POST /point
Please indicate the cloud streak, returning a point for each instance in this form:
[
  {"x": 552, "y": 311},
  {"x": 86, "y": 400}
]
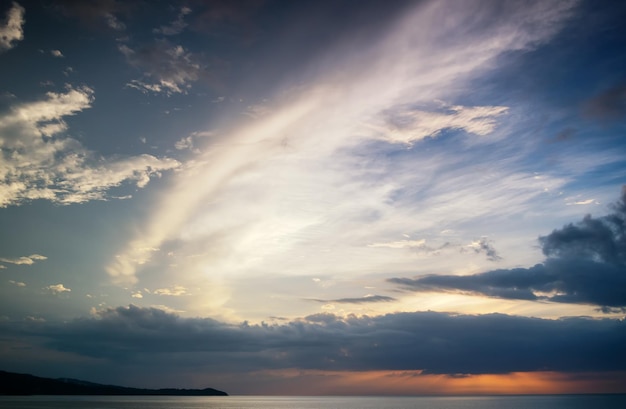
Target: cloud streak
[
  {"x": 359, "y": 300},
  {"x": 310, "y": 145}
]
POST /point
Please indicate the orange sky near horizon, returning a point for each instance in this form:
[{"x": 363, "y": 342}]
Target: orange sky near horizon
[{"x": 298, "y": 382}]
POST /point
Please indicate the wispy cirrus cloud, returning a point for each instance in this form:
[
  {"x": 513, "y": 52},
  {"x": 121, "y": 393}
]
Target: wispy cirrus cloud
[
  {"x": 337, "y": 184},
  {"x": 11, "y": 30},
  {"x": 41, "y": 162}
]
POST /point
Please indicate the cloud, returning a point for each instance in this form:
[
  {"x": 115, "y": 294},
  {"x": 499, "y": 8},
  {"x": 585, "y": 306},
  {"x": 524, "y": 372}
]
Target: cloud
[
  {"x": 56, "y": 53},
  {"x": 176, "y": 26},
  {"x": 432, "y": 342},
  {"x": 338, "y": 180},
  {"x": 24, "y": 260},
  {"x": 17, "y": 283},
  {"x": 57, "y": 289},
  {"x": 174, "y": 291},
  {"x": 407, "y": 125},
  {"x": 359, "y": 300},
  {"x": 11, "y": 29},
  {"x": 166, "y": 67},
  {"x": 40, "y": 162},
  {"x": 114, "y": 23},
  {"x": 166, "y": 309},
  {"x": 184, "y": 143},
  {"x": 582, "y": 202},
  {"x": 601, "y": 240},
  {"x": 586, "y": 264},
  {"x": 479, "y": 246},
  {"x": 483, "y": 245}
]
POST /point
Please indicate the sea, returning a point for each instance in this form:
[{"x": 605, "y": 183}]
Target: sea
[{"x": 316, "y": 402}]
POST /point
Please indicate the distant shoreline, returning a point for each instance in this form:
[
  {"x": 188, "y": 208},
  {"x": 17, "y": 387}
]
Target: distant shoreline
[{"x": 15, "y": 384}]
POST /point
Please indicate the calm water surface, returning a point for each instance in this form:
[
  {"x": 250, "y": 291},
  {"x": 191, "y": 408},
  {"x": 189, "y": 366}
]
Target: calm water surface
[{"x": 281, "y": 402}]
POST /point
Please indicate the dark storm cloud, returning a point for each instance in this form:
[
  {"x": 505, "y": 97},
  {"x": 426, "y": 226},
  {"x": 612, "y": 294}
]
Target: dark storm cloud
[
  {"x": 586, "y": 264},
  {"x": 602, "y": 239},
  {"x": 359, "y": 300},
  {"x": 430, "y": 341},
  {"x": 609, "y": 104}
]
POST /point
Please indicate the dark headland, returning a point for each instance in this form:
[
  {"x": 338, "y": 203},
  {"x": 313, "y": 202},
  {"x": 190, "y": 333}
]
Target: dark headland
[{"x": 23, "y": 384}]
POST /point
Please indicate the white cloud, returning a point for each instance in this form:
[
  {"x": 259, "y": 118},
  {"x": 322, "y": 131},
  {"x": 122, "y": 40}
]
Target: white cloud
[
  {"x": 407, "y": 125},
  {"x": 57, "y": 53},
  {"x": 184, "y": 143},
  {"x": 137, "y": 294},
  {"x": 60, "y": 169},
  {"x": 11, "y": 29},
  {"x": 57, "y": 289},
  {"x": 174, "y": 291},
  {"x": 17, "y": 283},
  {"x": 25, "y": 260}
]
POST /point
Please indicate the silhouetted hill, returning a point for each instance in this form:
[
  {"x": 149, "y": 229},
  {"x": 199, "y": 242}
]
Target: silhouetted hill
[{"x": 23, "y": 384}]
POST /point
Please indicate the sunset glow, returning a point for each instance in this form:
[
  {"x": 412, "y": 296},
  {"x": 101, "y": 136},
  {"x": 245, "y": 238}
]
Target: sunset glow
[{"x": 315, "y": 197}]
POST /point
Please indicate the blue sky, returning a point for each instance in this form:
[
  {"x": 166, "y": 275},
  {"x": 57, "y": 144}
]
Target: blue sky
[{"x": 272, "y": 173}]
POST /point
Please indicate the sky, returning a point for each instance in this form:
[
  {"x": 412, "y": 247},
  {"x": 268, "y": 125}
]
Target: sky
[{"x": 305, "y": 197}]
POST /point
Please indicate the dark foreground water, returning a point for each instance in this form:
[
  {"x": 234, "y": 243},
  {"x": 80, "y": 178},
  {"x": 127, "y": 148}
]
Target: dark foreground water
[{"x": 284, "y": 402}]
